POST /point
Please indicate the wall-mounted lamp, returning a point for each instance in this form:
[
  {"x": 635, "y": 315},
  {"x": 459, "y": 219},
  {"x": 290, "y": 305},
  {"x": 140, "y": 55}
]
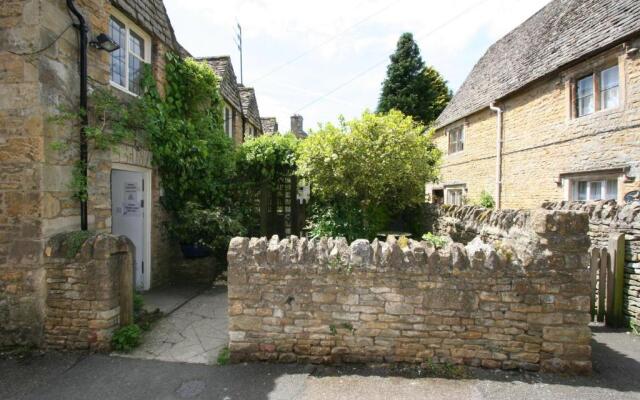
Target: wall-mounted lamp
[{"x": 104, "y": 42}]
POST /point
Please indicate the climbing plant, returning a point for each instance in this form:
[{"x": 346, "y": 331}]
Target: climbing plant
[{"x": 193, "y": 155}]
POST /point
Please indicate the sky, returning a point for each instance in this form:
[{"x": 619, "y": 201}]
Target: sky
[{"x": 322, "y": 59}]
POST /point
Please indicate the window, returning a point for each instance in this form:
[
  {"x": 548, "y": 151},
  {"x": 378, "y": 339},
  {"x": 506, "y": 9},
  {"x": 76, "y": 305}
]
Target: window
[
  {"x": 594, "y": 189},
  {"x": 598, "y": 91},
  {"x": 127, "y": 62},
  {"x": 456, "y": 139},
  {"x": 228, "y": 121},
  {"x": 609, "y": 86},
  {"x": 454, "y": 196}
]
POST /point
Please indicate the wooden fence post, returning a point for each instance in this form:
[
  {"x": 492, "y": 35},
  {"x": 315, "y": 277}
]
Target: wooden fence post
[
  {"x": 616, "y": 248},
  {"x": 602, "y": 284},
  {"x": 594, "y": 267},
  {"x": 126, "y": 261}
]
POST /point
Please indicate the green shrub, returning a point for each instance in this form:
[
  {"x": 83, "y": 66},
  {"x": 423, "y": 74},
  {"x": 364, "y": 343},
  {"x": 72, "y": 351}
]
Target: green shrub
[
  {"x": 435, "y": 240},
  {"x": 138, "y": 303},
  {"x": 224, "y": 356},
  {"x": 486, "y": 200},
  {"x": 126, "y": 338},
  {"x": 366, "y": 172}
]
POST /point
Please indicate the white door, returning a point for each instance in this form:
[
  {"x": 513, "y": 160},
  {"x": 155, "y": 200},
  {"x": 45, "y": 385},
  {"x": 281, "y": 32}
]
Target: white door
[{"x": 128, "y": 216}]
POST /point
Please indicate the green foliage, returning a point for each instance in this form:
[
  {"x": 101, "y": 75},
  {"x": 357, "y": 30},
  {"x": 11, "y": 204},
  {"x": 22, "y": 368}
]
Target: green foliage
[
  {"x": 74, "y": 240},
  {"x": 193, "y": 155},
  {"x": 486, "y": 200},
  {"x": 635, "y": 327},
  {"x": 435, "y": 240},
  {"x": 195, "y": 158},
  {"x": 411, "y": 87},
  {"x": 338, "y": 220},
  {"x": 333, "y": 330},
  {"x": 108, "y": 127},
  {"x": 126, "y": 338},
  {"x": 223, "y": 356},
  {"x": 209, "y": 226},
  {"x": 365, "y": 171},
  {"x": 261, "y": 163},
  {"x": 138, "y": 303},
  {"x": 266, "y": 158}
]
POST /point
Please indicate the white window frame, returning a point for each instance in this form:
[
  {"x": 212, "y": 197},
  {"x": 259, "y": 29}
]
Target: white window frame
[
  {"x": 571, "y": 186},
  {"x": 451, "y": 131},
  {"x": 129, "y": 27},
  {"x": 597, "y": 91},
  {"x": 228, "y": 122},
  {"x": 455, "y": 188}
]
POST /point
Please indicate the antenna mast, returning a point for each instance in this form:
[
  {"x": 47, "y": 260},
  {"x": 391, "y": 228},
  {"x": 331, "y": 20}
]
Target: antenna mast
[{"x": 238, "y": 41}]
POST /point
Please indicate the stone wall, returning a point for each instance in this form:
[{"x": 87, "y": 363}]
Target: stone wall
[
  {"x": 85, "y": 296},
  {"x": 605, "y": 218},
  {"x": 541, "y": 140},
  {"x": 35, "y": 200},
  {"x": 521, "y": 304}
]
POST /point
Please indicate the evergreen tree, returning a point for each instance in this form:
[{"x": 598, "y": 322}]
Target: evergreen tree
[{"x": 410, "y": 86}]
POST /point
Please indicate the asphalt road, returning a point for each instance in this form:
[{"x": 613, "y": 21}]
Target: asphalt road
[{"x": 616, "y": 358}]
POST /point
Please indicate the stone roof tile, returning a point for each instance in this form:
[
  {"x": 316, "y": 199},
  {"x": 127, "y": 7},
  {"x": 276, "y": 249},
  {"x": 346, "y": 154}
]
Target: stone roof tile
[{"x": 562, "y": 32}]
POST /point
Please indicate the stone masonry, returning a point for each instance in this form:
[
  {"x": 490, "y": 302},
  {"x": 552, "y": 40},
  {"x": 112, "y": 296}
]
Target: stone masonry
[
  {"x": 84, "y": 292},
  {"x": 542, "y": 142},
  {"x": 521, "y": 302},
  {"x": 605, "y": 218},
  {"x": 35, "y": 200}
]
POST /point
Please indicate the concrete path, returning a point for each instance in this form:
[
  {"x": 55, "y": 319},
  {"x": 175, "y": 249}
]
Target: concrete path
[
  {"x": 168, "y": 298},
  {"x": 193, "y": 333},
  {"x": 53, "y": 376}
]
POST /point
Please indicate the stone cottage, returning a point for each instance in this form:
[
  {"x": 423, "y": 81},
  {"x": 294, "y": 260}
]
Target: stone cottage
[
  {"x": 550, "y": 112},
  {"x": 39, "y": 75},
  {"x": 233, "y": 110},
  {"x": 251, "y": 123}
]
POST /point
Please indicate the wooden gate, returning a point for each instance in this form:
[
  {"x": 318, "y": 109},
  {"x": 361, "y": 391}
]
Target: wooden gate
[
  {"x": 606, "y": 266},
  {"x": 280, "y": 212}
]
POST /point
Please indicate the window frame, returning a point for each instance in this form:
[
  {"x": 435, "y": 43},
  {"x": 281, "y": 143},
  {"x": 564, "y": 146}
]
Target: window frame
[
  {"x": 597, "y": 91},
  {"x": 228, "y": 120},
  {"x": 455, "y": 188},
  {"x": 129, "y": 26},
  {"x": 572, "y": 192},
  {"x": 459, "y": 132}
]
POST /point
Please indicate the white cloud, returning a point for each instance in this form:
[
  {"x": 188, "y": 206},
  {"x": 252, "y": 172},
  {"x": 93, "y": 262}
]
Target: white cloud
[{"x": 341, "y": 40}]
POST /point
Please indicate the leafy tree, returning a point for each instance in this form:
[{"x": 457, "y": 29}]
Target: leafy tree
[
  {"x": 411, "y": 87},
  {"x": 367, "y": 170}
]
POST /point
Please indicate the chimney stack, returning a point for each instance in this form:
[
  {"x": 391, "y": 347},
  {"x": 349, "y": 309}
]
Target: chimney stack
[{"x": 296, "y": 125}]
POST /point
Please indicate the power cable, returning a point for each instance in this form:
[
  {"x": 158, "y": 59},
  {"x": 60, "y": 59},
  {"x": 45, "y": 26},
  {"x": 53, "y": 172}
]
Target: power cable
[
  {"x": 377, "y": 64},
  {"x": 312, "y": 49},
  {"x": 44, "y": 48}
]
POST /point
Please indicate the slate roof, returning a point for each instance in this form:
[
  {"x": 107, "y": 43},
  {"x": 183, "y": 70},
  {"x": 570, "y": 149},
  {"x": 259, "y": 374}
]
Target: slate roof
[
  {"x": 250, "y": 106},
  {"x": 561, "y": 33},
  {"x": 269, "y": 125},
  {"x": 152, "y": 16},
  {"x": 228, "y": 82}
]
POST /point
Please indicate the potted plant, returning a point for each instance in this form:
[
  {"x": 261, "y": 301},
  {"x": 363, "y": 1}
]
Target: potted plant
[{"x": 200, "y": 230}]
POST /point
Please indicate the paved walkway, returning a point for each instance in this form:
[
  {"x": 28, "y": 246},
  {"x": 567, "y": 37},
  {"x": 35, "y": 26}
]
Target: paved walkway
[
  {"x": 195, "y": 332},
  {"x": 616, "y": 357}
]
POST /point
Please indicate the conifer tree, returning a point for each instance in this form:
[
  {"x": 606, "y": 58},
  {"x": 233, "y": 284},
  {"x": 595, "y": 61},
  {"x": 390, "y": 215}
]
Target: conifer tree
[{"x": 412, "y": 87}]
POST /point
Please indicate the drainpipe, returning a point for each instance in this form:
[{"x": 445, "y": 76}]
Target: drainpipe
[
  {"x": 83, "y": 29},
  {"x": 498, "y": 112}
]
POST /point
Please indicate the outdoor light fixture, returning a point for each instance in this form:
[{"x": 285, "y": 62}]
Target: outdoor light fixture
[{"x": 104, "y": 42}]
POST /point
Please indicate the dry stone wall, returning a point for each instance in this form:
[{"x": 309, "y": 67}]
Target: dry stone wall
[
  {"x": 85, "y": 299},
  {"x": 521, "y": 304},
  {"x": 605, "y": 217}
]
